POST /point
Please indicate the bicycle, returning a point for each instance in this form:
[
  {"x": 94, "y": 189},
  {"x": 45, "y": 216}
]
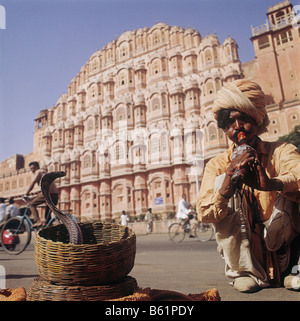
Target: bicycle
[
  {"x": 202, "y": 231},
  {"x": 16, "y": 231}
]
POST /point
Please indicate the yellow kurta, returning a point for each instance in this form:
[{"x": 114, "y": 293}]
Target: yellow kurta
[
  {"x": 242, "y": 257},
  {"x": 280, "y": 160}
]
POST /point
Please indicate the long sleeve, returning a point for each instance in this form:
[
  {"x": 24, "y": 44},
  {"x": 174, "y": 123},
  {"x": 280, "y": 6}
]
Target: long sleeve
[
  {"x": 286, "y": 161},
  {"x": 211, "y": 206},
  {"x": 280, "y": 160}
]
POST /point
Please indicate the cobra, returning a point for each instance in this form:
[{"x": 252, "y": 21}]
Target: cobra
[{"x": 75, "y": 234}]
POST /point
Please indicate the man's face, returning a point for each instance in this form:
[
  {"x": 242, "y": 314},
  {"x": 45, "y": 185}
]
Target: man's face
[
  {"x": 238, "y": 121},
  {"x": 33, "y": 168}
]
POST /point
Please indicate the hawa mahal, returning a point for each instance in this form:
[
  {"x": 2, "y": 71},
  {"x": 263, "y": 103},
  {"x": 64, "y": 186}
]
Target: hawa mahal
[{"x": 135, "y": 128}]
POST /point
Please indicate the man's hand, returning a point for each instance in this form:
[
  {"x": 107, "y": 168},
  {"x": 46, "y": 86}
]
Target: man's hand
[
  {"x": 256, "y": 178},
  {"x": 228, "y": 187}
]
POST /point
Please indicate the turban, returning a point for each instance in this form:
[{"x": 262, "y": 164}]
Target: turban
[{"x": 244, "y": 96}]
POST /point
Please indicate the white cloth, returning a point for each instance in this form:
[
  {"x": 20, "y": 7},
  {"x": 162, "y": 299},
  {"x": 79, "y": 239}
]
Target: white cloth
[
  {"x": 149, "y": 217},
  {"x": 2, "y": 211},
  {"x": 124, "y": 219},
  {"x": 149, "y": 220},
  {"x": 12, "y": 210},
  {"x": 183, "y": 209},
  {"x": 239, "y": 261},
  {"x": 280, "y": 229}
]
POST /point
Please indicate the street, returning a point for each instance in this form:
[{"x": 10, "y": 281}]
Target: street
[{"x": 187, "y": 267}]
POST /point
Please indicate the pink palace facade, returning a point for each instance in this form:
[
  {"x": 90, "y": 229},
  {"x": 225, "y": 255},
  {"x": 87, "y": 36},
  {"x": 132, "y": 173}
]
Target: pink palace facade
[{"x": 135, "y": 128}]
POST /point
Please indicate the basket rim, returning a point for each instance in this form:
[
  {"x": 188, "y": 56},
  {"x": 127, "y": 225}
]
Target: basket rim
[{"x": 130, "y": 235}]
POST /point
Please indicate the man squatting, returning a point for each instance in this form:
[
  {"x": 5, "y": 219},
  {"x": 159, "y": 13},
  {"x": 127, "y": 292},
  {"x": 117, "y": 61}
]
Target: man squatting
[{"x": 265, "y": 251}]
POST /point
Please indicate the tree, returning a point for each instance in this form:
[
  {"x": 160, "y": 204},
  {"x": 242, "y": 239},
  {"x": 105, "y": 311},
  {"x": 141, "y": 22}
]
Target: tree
[{"x": 293, "y": 137}]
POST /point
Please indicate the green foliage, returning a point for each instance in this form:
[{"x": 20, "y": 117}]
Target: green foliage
[
  {"x": 293, "y": 137},
  {"x": 171, "y": 215}
]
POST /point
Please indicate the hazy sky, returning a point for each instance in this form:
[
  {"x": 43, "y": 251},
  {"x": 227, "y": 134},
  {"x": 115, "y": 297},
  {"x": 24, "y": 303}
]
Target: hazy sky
[{"x": 46, "y": 42}]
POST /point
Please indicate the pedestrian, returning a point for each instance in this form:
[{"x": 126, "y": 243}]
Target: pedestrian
[
  {"x": 12, "y": 210},
  {"x": 149, "y": 220},
  {"x": 2, "y": 209},
  {"x": 39, "y": 199},
  {"x": 124, "y": 218},
  {"x": 184, "y": 213},
  {"x": 256, "y": 215}
]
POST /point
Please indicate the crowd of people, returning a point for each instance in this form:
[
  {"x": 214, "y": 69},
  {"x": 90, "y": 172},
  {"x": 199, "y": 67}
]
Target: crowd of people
[{"x": 8, "y": 210}]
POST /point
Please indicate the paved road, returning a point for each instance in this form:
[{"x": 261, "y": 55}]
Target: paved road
[{"x": 187, "y": 267}]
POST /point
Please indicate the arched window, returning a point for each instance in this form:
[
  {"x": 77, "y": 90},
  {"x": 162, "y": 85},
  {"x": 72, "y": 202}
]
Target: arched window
[
  {"x": 215, "y": 53},
  {"x": 165, "y": 140},
  {"x": 120, "y": 114},
  {"x": 208, "y": 57},
  {"x": 164, "y": 65},
  {"x": 212, "y": 132},
  {"x": 156, "y": 39},
  {"x": 90, "y": 125},
  {"x": 87, "y": 161},
  {"x": 123, "y": 52},
  {"x": 138, "y": 41},
  {"x": 164, "y": 101},
  {"x": 228, "y": 53},
  {"x": 122, "y": 78},
  {"x": 55, "y": 138},
  {"x": 59, "y": 113},
  {"x": 155, "y": 146},
  {"x": 155, "y": 104},
  {"x": 92, "y": 92},
  {"x": 94, "y": 64},
  {"x": 155, "y": 67},
  {"x": 210, "y": 88},
  {"x": 119, "y": 152}
]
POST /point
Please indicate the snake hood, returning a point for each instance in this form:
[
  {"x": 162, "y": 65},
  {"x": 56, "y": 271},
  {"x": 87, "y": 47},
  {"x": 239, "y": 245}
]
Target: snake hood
[{"x": 75, "y": 234}]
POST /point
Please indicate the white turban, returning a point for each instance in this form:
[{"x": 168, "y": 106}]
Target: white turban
[{"x": 244, "y": 96}]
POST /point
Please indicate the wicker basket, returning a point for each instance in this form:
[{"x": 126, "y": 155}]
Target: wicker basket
[
  {"x": 41, "y": 290},
  {"x": 106, "y": 255}
]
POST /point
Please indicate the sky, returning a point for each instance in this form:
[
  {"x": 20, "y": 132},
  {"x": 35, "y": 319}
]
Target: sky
[{"x": 46, "y": 42}]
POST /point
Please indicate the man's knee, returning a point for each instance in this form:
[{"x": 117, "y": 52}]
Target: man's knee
[{"x": 39, "y": 199}]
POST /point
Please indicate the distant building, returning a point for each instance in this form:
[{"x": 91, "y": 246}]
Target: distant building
[
  {"x": 136, "y": 126},
  {"x": 276, "y": 67}
]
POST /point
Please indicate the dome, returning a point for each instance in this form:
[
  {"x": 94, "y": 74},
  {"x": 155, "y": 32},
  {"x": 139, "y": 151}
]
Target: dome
[
  {"x": 126, "y": 36},
  {"x": 229, "y": 40},
  {"x": 189, "y": 31},
  {"x": 209, "y": 41},
  {"x": 62, "y": 99},
  {"x": 159, "y": 25}
]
